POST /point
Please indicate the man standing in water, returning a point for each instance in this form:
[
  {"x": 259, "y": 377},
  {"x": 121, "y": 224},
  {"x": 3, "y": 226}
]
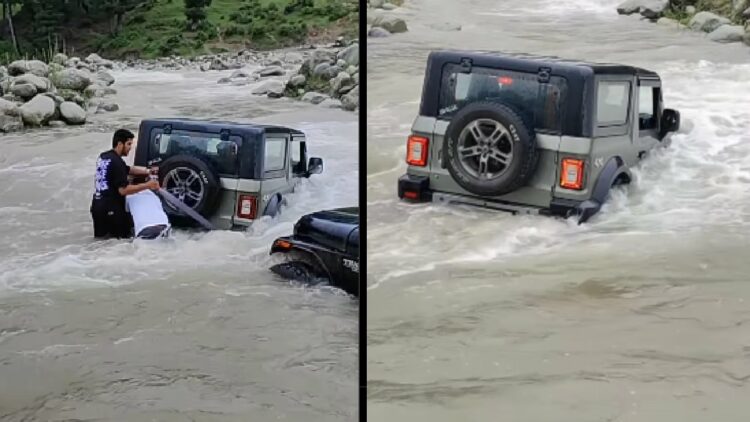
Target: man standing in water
[{"x": 111, "y": 187}]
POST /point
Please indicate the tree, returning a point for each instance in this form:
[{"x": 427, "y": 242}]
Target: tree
[
  {"x": 195, "y": 12},
  {"x": 8, "y": 12}
]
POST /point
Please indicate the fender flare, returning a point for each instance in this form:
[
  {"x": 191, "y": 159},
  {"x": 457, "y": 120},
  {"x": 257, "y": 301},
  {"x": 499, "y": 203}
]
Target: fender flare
[
  {"x": 309, "y": 252},
  {"x": 613, "y": 170},
  {"x": 273, "y": 206}
]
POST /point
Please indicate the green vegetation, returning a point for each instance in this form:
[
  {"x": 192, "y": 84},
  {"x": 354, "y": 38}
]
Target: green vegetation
[
  {"x": 724, "y": 8},
  {"x": 154, "y": 28}
]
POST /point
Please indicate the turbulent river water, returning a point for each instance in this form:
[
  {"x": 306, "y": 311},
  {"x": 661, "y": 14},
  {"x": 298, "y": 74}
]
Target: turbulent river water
[
  {"x": 196, "y": 329},
  {"x": 642, "y": 314}
]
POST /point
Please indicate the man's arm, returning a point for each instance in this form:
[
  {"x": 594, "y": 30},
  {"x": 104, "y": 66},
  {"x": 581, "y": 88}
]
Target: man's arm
[
  {"x": 138, "y": 171},
  {"x": 132, "y": 189}
]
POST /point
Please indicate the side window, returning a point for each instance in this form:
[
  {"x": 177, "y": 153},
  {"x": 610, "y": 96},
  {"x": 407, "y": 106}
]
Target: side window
[
  {"x": 275, "y": 154},
  {"x": 612, "y": 102},
  {"x": 296, "y": 154},
  {"x": 647, "y": 100}
]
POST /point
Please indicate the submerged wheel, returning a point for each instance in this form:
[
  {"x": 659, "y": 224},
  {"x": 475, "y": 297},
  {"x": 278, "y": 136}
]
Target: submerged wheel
[{"x": 489, "y": 150}]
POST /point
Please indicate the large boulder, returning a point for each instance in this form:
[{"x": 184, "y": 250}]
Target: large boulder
[
  {"x": 727, "y": 34},
  {"x": 38, "y": 111},
  {"x": 10, "y": 123},
  {"x": 24, "y": 91},
  {"x": 218, "y": 64},
  {"x": 350, "y": 55},
  {"x": 269, "y": 87},
  {"x": 297, "y": 80},
  {"x": 651, "y": 9},
  {"x": 93, "y": 58},
  {"x": 391, "y": 24},
  {"x": 40, "y": 83},
  {"x": 271, "y": 71},
  {"x": 96, "y": 90},
  {"x": 8, "y": 108},
  {"x": 73, "y": 79},
  {"x": 322, "y": 70},
  {"x": 314, "y": 60},
  {"x": 108, "y": 107},
  {"x": 746, "y": 13},
  {"x": 350, "y": 101},
  {"x": 377, "y": 32},
  {"x": 38, "y": 67},
  {"x": 707, "y": 21},
  {"x": 105, "y": 78},
  {"x": 314, "y": 97},
  {"x": 338, "y": 82},
  {"x": 18, "y": 67},
  {"x": 72, "y": 113}
]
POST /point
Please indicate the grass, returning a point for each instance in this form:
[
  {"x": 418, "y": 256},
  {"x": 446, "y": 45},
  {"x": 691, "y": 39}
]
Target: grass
[{"x": 162, "y": 30}]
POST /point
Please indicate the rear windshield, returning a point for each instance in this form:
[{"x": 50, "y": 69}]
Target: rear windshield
[
  {"x": 222, "y": 154},
  {"x": 537, "y": 102}
]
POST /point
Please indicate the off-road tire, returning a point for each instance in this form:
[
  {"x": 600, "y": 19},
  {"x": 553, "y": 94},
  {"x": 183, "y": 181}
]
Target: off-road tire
[
  {"x": 207, "y": 178},
  {"x": 522, "y": 164}
]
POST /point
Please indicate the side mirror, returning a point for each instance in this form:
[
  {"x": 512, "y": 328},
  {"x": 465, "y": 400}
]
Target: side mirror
[
  {"x": 670, "y": 121},
  {"x": 314, "y": 166}
]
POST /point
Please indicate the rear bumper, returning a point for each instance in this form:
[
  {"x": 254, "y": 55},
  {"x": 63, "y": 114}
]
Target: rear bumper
[{"x": 417, "y": 189}]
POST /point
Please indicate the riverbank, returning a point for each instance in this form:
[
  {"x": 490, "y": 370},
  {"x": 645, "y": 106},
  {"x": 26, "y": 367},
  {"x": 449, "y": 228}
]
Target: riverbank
[
  {"x": 67, "y": 90},
  {"x": 723, "y": 21}
]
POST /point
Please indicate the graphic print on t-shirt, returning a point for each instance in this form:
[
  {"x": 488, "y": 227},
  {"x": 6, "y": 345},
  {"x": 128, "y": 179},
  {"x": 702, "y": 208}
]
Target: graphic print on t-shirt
[{"x": 100, "y": 180}]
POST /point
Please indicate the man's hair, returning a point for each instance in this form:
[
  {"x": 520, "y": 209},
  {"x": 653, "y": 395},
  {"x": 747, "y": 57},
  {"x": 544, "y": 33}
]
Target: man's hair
[{"x": 121, "y": 135}]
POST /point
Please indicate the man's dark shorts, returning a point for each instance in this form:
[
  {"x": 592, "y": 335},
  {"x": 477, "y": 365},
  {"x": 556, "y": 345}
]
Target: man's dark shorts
[{"x": 111, "y": 222}]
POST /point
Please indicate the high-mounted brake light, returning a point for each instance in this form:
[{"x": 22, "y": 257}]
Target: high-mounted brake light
[
  {"x": 571, "y": 176},
  {"x": 247, "y": 206},
  {"x": 416, "y": 151},
  {"x": 505, "y": 80}
]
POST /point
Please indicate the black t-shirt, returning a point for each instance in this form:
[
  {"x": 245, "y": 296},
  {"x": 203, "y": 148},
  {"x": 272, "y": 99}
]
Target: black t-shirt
[{"x": 111, "y": 175}]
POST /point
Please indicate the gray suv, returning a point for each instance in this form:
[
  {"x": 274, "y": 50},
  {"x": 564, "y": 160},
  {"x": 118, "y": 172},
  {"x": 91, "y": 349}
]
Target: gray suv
[
  {"x": 229, "y": 173},
  {"x": 530, "y": 134}
]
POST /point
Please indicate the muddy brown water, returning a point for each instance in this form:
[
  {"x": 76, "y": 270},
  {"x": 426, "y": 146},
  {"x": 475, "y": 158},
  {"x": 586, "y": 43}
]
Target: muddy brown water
[
  {"x": 195, "y": 329},
  {"x": 640, "y": 315}
]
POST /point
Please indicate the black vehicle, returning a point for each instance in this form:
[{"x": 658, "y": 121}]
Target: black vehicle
[{"x": 323, "y": 248}]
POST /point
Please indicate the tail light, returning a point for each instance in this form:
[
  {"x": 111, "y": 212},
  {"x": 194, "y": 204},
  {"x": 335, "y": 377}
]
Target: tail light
[
  {"x": 247, "y": 206},
  {"x": 571, "y": 176},
  {"x": 416, "y": 151}
]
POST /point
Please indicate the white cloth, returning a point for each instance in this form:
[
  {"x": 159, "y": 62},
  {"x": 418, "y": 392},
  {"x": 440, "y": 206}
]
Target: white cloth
[{"x": 146, "y": 209}]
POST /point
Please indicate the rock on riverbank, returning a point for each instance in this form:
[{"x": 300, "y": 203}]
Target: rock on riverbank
[
  {"x": 724, "y": 21},
  {"x": 37, "y": 94}
]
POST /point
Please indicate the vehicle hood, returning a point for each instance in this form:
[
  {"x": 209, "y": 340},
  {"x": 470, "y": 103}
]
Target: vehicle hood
[{"x": 335, "y": 229}]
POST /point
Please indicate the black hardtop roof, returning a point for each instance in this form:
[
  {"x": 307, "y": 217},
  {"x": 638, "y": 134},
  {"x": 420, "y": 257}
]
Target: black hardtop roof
[
  {"x": 220, "y": 124},
  {"x": 503, "y": 59}
]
